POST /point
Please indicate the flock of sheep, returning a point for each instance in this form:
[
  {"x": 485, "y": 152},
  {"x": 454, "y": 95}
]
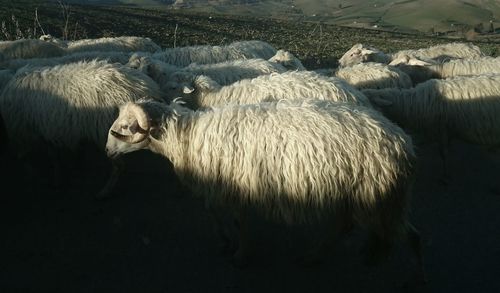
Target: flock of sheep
[{"x": 246, "y": 126}]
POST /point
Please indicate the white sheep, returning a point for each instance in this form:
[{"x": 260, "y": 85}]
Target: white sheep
[
  {"x": 116, "y": 44},
  {"x": 67, "y": 104},
  {"x": 29, "y": 48},
  {"x": 205, "y": 54},
  {"x": 288, "y": 60},
  {"x": 374, "y": 75},
  {"x": 463, "y": 108},
  {"x": 311, "y": 161},
  {"x": 459, "y": 67},
  {"x": 111, "y": 57},
  {"x": 224, "y": 73},
  {"x": 271, "y": 87},
  {"x": 360, "y": 53}
]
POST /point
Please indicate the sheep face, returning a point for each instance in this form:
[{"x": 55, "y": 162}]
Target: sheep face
[
  {"x": 360, "y": 53},
  {"x": 129, "y": 132}
]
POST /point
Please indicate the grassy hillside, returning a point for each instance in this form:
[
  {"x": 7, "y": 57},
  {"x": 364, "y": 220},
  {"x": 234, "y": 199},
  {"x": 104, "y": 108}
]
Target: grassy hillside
[
  {"x": 402, "y": 15},
  {"x": 318, "y": 44}
]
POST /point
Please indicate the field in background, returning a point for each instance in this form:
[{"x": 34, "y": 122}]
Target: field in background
[
  {"x": 317, "y": 44},
  {"x": 450, "y": 17}
]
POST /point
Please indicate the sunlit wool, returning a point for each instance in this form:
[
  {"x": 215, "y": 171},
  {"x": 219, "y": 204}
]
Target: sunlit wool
[
  {"x": 29, "y": 48},
  {"x": 360, "y": 53},
  {"x": 111, "y": 57},
  {"x": 173, "y": 79},
  {"x": 273, "y": 87},
  {"x": 293, "y": 160},
  {"x": 116, "y": 44},
  {"x": 463, "y": 107},
  {"x": 183, "y": 56},
  {"x": 288, "y": 60},
  {"x": 374, "y": 75},
  {"x": 66, "y": 104},
  {"x": 459, "y": 67}
]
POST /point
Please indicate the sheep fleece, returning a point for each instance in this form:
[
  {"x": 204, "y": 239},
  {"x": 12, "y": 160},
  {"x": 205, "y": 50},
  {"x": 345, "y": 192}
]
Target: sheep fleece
[{"x": 292, "y": 161}]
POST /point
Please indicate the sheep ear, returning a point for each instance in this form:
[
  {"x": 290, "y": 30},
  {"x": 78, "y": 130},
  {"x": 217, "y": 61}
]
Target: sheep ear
[
  {"x": 367, "y": 51},
  {"x": 187, "y": 89},
  {"x": 418, "y": 62},
  {"x": 381, "y": 102}
]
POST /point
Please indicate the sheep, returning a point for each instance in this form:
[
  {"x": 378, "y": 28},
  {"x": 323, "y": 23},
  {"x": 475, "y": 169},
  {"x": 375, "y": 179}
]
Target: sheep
[
  {"x": 115, "y": 44},
  {"x": 360, "y": 53},
  {"x": 271, "y": 87},
  {"x": 459, "y": 67},
  {"x": 374, "y": 75},
  {"x": 463, "y": 108},
  {"x": 311, "y": 161},
  {"x": 67, "y": 104},
  {"x": 5, "y": 76},
  {"x": 120, "y": 57},
  {"x": 288, "y": 60},
  {"x": 204, "y": 54},
  {"x": 29, "y": 48},
  {"x": 224, "y": 73}
]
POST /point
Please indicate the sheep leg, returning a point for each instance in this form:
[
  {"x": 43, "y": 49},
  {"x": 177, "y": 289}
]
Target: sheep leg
[
  {"x": 341, "y": 224},
  {"x": 414, "y": 239},
  {"x": 117, "y": 167},
  {"x": 222, "y": 229},
  {"x": 240, "y": 257},
  {"x": 444, "y": 146}
]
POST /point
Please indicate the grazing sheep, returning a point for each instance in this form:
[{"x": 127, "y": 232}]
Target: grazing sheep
[
  {"x": 67, "y": 104},
  {"x": 183, "y": 56},
  {"x": 111, "y": 57},
  {"x": 29, "y": 48},
  {"x": 115, "y": 44},
  {"x": 374, "y": 75},
  {"x": 272, "y": 87},
  {"x": 463, "y": 108},
  {"x": 224, "y": 73},
  {"x": 312, "y": 161},
  {"x": 459, "y": 67},
  {"x": 288, "y": 60},
  {"x": 360, "y": 53}
]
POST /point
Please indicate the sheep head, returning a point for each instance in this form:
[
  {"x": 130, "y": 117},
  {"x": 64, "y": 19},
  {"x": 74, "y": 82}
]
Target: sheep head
[
  {"x": 129, "y": 132},
  {"x": 360, "y": 53}
]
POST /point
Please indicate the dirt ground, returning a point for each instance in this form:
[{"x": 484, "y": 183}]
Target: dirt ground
[{"x": 154, "y": 237}]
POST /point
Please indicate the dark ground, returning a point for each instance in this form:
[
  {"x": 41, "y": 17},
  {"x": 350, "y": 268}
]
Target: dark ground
[{"x": 154, "y": 237}]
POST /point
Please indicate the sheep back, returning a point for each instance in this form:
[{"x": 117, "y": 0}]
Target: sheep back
[
  {"x": 310, "y": 157},
  {"x": 66, "y": 104}
]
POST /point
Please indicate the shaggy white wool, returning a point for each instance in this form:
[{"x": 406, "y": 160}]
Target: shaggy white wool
[
  {"x": 29, "y": 48},
  {"x": 309, "y": 158},
  {"x": 66, "y": 104},
  {"x": 116, "y": 44},
  {"x": 360, "y": 53},
  {"x": 464, "y": 107},
  {"x": 285, "y": 86},
  {"x": 183, "y": 56},
  {"x": 374, "y": 75},
  {"x": 111, "y": 57}
]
